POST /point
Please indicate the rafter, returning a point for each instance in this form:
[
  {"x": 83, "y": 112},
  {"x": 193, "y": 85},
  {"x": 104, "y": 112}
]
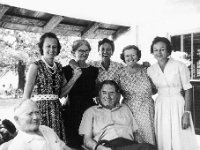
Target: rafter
[
  {"x": 90, "y": 29},
  {"x": 119, "y": 32},
  {"x": 53, "y": 22},
  {"x": 3, "y": 10},
  {"x": 21, "y": 27}
]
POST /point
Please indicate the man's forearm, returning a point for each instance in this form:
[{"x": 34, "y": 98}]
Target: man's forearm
[{"x": 90, "y": 143}]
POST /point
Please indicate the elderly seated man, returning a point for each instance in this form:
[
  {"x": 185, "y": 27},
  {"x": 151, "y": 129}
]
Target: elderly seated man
[
  {"x": 110, "y": 123},
  {"x": 32, "y": 135}
]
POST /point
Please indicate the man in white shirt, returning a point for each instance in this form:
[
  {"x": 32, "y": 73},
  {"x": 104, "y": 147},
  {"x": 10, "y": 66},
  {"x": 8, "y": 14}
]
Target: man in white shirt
[
  {"x": 112, "y": 122},
  {"x": 32, "y": 135}
]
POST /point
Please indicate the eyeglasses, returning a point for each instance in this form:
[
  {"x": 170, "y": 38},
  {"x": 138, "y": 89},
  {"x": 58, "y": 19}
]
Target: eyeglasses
[{"x": 83, "y": 51}]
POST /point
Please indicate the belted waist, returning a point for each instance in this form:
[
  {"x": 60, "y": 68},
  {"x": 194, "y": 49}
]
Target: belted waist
[
  {"x": 41, "y": 97},
  {"x": 169, "y": 91}
]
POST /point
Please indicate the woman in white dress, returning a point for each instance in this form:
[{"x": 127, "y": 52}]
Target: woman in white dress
[{"x": 173, "y": 124}]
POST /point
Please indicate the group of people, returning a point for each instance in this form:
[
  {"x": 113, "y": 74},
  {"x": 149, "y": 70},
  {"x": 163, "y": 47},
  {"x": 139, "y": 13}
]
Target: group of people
[{"x": 93, "y": 114}]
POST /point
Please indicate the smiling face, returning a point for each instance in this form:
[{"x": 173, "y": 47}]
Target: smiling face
[
  {"x": 82, "y": 53},
  {"x": 108, "y": 96},
  {"x": 50, "y": 48},
  {"x": 28, "y": 117},
  {"x": 130, "y": 57},
  {"x": 160, "y": 51},
  {"x": 105, "y": 51}
]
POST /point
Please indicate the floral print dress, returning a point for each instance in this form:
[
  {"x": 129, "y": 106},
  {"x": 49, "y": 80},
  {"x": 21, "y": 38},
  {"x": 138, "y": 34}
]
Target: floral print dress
[
  {"x": 50, "y": 83},
  {"x": 137, "y": 94}
]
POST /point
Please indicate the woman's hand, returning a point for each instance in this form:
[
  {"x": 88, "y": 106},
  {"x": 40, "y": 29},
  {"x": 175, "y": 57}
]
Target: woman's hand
[
  {"x": 186, "y": 120},
  {"x": 77, "y": 73}
]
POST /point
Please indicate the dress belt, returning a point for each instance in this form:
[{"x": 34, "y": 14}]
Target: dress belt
[{"x": 41, "y": 97}]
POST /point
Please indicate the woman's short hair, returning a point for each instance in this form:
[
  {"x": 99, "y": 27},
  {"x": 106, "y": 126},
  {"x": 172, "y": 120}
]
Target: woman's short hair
[
  {"x": 131, "y": 47},
  {"x": 109, "y": 82},
  {"x": 105, "y": 40},
  {"x": 48, "y": 35},
  {"x": 78, "y": 43},
  {"x": 164, "y": 40}
]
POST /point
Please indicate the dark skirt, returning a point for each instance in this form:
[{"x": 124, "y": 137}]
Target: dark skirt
[{"x": 72, "y": 115}]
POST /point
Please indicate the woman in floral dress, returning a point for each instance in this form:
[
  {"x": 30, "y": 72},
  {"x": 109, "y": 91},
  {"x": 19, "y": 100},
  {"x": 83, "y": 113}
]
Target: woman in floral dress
[
  {"x": 45, "y": 79},
  {"x": 137, "y": 91}
]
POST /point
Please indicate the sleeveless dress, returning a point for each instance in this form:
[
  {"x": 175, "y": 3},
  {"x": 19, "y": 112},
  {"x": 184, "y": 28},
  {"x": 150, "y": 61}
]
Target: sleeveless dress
[
  {"x": 80, "y": 98},
  {"x": 137, "y": 92},
  {"x": 169, "y": 106},
  {"x": 48, "y": 83}
]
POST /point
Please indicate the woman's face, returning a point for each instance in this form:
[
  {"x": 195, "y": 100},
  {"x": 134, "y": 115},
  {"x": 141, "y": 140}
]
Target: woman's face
[
  {"x": 160, "y": 51},
  {"x": 105, "y": 51},
  {"x": 50, "y": 48},
  {"x": 82, "y": 53},
  {"x": 130, "y": 57}
]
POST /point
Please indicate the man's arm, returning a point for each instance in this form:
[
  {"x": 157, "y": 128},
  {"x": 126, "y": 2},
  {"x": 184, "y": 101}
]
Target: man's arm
[{"x": 91, "y": 144}]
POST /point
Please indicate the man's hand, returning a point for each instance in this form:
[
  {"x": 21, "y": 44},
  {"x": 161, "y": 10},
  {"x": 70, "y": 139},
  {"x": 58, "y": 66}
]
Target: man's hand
[
  {"x": 138, "y": 137},
  {"x": 101, "y": 147},
  {"x": 146, "y": 64}
]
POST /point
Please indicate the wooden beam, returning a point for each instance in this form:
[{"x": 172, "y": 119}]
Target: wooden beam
[
  {"x": 53, "y": 22},
  {"x": 22, "y": 20},
  {"x": 90, "y": 29},
  {"x": 119, "y": 32},
  {"x": 70, "y": 27},
  {"x": 68, "y": 33},
  {"x": 21, "y": 27},
  {"x": 3, "y": 10}
]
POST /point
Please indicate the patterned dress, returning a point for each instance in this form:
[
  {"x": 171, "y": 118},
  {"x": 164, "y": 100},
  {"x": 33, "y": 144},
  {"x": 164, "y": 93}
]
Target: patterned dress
[
  {"x": 137, "y": 94},
  {"x": 109, "y": 74},
  {"x": 48, "y": 83}
]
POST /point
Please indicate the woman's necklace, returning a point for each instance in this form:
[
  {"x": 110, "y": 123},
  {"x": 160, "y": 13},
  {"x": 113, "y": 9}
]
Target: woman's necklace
[{"x": 51, "y": 70}]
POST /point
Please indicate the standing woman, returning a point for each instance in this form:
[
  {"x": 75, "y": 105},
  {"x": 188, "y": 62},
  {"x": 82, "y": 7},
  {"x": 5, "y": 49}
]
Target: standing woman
[
  {"x": 137, "y": 91},
  {"x": 45, "y": 77},
  {"x": 173, "y": 123},
  {"x": 107, "y": 68},
  {"x": 80, "y": 91}
]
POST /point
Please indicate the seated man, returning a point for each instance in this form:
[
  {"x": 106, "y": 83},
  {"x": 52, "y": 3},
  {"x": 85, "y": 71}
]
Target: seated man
[
  {"x": 112, "y": 122},
  {"x": 32, "y": 135}
]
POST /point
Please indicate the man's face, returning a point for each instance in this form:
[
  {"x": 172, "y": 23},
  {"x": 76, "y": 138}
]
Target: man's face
[
  {"x": 28, "y": 118},
  {"x": 108, "y": 96}
]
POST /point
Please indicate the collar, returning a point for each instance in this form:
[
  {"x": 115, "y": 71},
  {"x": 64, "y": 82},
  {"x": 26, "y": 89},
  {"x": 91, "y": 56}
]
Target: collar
[
  {"x": 98, "y": 64},
  {"x": 29, "y": 137},
  {"x": 113, "y": 109}
]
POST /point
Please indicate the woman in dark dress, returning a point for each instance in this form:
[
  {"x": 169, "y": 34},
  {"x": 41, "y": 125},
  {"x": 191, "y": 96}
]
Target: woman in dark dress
[{"x": 80, "y": 91}]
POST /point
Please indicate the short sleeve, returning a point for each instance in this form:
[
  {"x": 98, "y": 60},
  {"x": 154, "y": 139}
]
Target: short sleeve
[
  {"x": 86, "y": 124},
  {"x": 134, "y": 123},
  {"x": 185, "y": 76}
]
